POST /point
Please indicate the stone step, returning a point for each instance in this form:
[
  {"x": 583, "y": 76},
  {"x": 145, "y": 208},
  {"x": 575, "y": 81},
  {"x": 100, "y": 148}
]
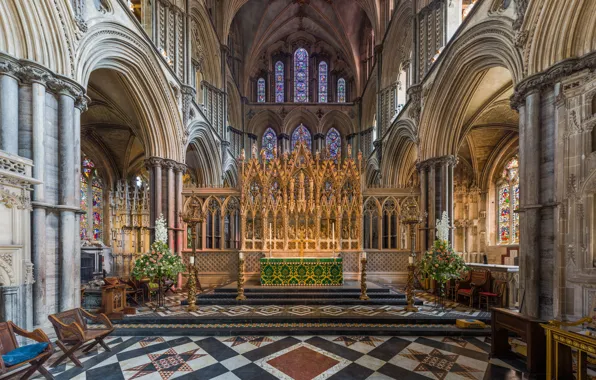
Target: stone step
[
  {"x": 301, "y": 301},
  {"x": 346, "y": 295}
]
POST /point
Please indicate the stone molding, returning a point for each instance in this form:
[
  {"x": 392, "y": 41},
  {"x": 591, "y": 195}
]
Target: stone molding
[
  {"x": 16, "y": 181},
  {"x": 443, "y": 160},
  {"x": 154, "y": 162},
  {"x": 180, "y": 168},
  {"x": 28, "y": 72},
  {"x": 549, "y": 77},
  {"x": 415, "y": 95}
]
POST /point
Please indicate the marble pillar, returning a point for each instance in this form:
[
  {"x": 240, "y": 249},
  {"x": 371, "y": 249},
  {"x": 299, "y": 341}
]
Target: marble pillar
[
  {"x": 179, "y": 170},
  {"x": 168, "y": 166},
  {"x": 423, "y": 236},
  {"x": 9, "y": 114},
  {"x": 80, "y": 106},
  {"x": 67, "y": 180},
  {"x": 530, "y": 204},
  {"x": 38, "y": 216},
  {"x": 154, "y": 167}
]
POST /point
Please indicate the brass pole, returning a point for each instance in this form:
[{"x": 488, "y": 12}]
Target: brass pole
[
  {"x": 241, "y": 296},
  {"x": 363, "y": 286},
  {"x": 192, "y": 291}
]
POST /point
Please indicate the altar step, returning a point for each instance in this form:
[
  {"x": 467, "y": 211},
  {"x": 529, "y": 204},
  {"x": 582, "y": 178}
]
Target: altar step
[{"x": 348, "y": 294}]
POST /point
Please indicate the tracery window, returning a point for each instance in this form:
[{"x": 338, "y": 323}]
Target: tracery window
[
  {"x": 323, "y": 82},
  {"x": 279, "y": 82},
  {"x": 261, "y": 90},
  {"x": 508, "y": 202},
  {"x": 91, "y": 222},
  {"x": 301, "y": 76},
  {"x": 333, "y": 141},
  {"x": 269, "y": 143},
  {"x": 341, "y": 90},
  {"x": 301, "y": 133}
]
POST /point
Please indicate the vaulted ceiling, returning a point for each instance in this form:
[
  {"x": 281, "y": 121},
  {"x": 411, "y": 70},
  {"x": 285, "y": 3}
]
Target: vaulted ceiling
[{"x": 340, "y": 24}]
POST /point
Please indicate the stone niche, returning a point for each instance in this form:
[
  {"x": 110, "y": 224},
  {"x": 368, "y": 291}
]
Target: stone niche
[{"x": 16, "y": 269}]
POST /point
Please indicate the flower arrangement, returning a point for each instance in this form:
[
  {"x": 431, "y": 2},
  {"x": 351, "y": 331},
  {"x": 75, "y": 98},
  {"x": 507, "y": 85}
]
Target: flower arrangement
[
  {"x": 442, "y": 263},
  {"x": 159, "y": 263}
]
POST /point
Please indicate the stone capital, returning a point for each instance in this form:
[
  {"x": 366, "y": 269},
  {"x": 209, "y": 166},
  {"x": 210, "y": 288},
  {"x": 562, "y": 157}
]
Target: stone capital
[
  {"x": 81, "y": 102},
  {"x": 449, "y": 160},
  {"x": 252, "y": 136},
  {"x": 154, "y": 162},
  {"x": 318, "y": 136},
  {"x": 168, "y": 164},
  {"x": 34, "y": 74},
  {"x": 180, "y": 167},
  {"x": 284, "y": 136}
]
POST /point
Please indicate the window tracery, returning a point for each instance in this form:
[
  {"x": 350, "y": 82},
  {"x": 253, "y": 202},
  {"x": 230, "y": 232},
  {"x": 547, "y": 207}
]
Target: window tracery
[
  {"x": 301, "y": 76},
  {"x": 301, "y": 133},
  {"x": 91, "y": 222},
  {"x": 508, "y": 203},
  {"x": 333, "y": 142},
  {"x": 279, "y": 82},
  {"x": 261, "y": 90},
  {"x": 269, "y": 143},
  {"x": 323, "y": 82},
  {"x": 341, "y": 90}
]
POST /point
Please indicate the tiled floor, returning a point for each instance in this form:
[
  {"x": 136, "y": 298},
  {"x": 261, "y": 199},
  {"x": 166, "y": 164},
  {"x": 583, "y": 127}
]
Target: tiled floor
[{"x": 288, "y": 357}]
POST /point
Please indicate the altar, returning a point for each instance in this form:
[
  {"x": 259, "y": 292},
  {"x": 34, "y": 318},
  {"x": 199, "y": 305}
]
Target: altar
[
  {"x": 311, "y": 271},
  {"x": 301, "y": 210}
]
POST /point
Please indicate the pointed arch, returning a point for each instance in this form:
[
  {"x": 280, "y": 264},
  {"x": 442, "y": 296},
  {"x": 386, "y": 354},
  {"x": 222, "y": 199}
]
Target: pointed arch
[{"x": 301, "y": 75}]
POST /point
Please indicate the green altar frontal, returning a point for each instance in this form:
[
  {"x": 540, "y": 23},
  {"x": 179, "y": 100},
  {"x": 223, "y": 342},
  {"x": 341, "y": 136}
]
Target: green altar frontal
[{"x": 302, "y": 272}]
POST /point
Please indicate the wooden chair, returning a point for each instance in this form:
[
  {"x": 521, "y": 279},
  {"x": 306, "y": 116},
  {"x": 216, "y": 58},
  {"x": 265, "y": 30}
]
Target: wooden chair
[
  {"x": 134, "y": 291},
  {"x": 478, "y": 281},
  {"x": 73, "y": 333},
  {"x": 495, "y": 296},
  {"x": 8, "y": 343}
]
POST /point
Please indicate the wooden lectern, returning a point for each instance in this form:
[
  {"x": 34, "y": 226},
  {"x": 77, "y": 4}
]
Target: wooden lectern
[{"x": 113, "y": 299}]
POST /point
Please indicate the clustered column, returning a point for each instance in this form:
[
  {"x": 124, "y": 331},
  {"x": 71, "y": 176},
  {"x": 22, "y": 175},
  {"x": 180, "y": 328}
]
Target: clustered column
[{"x": 436, "y": 194}]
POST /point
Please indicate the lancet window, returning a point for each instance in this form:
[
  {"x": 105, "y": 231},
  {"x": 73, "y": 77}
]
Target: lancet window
[
  {"x": 91, "y": 223},
  {"x": 301, "y": 133},
  {"x": 279, "y": 82},
  {"x": 301, "y": 76},
  {"x": 508, "y": 202},
  {"x": 261, "y": 90},
  {"x": 341, "y": 90},
  {"x": 333, "y": 141},
  {"x": 269, "y": 143},
  {"x": 323, "y": 82}
]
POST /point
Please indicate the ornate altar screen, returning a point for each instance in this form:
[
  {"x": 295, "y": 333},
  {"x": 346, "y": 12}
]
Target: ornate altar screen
[{"x": 298, "y": 205}]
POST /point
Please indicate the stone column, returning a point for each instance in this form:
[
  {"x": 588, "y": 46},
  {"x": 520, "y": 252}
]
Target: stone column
[
  {"x": 432, "y": 200},
  {"x": 529, "y": 152},
  {"x": 9, "y": 109},
  {"x": 38, "y": 216},
  {"x": 67, "y": 185},
  {"x": 154, "y": 166},
  {"x": 168, "y": 165},
  {"x": 284, "y": 142},
  {"x": 423, "y": 236},
  {"x": 319, "y": 142},
  {"x": 179, "y": 170},
  {"x": 80, "y": 107}
]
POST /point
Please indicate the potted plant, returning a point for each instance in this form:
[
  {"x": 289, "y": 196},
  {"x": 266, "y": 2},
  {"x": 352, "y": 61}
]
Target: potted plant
[
  {"x": 441, "y": 263},
  {"x": 159, "y": 264}
]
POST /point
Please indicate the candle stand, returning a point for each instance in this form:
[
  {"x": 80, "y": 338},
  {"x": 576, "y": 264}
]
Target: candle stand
[
  {"x": 411, "y": 216},
  {"x": 192, "y": 217}
]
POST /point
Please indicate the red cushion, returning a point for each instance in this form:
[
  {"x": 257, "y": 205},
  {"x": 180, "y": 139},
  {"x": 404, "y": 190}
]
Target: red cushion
[
  {"x": 464, "y": 291},
  {"x": 489, "y": 294}
]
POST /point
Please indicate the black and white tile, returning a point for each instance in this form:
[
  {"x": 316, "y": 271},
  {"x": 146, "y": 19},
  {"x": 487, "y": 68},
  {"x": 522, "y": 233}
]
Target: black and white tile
[{"x": 290, "y": 357}]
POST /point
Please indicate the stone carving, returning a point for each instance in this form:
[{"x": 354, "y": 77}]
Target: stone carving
[
  {"x": 415, "y": 95},
  {"x": 14, "y": 200},
  {"x": 102, "y": 6},
  {"x": 6, "y": 265}
]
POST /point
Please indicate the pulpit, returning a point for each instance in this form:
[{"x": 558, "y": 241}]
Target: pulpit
[{"x": 113, "y": 299}]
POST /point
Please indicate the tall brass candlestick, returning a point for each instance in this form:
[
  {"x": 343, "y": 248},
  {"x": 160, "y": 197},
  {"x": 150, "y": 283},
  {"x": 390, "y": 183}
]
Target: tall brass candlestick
[
  {"x": 363, "y": 285},
  {"x": 240, "y": 296}
]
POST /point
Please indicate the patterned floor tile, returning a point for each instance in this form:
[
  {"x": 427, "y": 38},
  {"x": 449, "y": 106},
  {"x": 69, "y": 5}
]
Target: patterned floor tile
[{"x": 284, "y": 357}]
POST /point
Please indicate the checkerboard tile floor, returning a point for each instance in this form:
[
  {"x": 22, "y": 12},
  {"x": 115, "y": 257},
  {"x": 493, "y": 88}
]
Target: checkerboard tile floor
[{"x": 288, "y": 357}]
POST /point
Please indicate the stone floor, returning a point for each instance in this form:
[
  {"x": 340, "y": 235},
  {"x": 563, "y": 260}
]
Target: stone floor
[{"x": 291, "y": 357}]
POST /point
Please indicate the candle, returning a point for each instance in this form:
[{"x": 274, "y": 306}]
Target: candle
[
  {"x": 333, "y": 232},
  {"x": 270, "y": 236},
  {"x": 192, "y": 260},
  {"x": 241, "y": 255},
  {"x": 364, "y": 255},
  {"x": 411, "y": 260}
]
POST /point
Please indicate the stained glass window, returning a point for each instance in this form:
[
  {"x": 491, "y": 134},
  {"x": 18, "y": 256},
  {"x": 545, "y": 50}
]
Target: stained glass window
[
  {"x": 261, "y": 90},
  {"x": 333, "y": 140},
  {"x": 323, "y": 82},
  {"x": 279, "y": 82},
  {"x": 301, "y": 133},
  {"x": 341, "y": 90},
  {"x": 508, "y": 202},
  {"x": 91, "y": 222},
  {"x": 269, "y": 142},
  {"x": 301, "y": 76}
]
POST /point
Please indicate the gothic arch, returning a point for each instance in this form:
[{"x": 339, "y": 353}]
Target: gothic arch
[
  {"x": 483, "y": 46},
  {"x": 207, "y": 154},
  {"x": 263, "y": 120},
  {"x": 399, "y": 42},
  {"x": 112, "y": 46},
  {"x": 205, "y": 46},
  {"x": 338, "y": 120},
  {"x": 400, "y": 152},
  {"x": 300, "y": 115}
]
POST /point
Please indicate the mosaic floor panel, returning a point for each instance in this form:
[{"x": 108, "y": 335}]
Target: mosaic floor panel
[{"x": 290, "y": 357}]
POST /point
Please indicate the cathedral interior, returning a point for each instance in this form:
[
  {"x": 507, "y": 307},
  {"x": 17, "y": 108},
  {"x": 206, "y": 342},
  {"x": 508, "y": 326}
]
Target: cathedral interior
[{"x": 301, "y": 161}]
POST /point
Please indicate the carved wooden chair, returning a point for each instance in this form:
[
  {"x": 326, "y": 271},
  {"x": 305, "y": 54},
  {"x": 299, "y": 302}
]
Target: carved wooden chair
[
  {"x": 73, "y": 333},
  {"x": 14, "y": 359},
  {"x": 495, "y": 296},
  {"x": 478, "y": 281},
  {"x": 134, "y": 291}
]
